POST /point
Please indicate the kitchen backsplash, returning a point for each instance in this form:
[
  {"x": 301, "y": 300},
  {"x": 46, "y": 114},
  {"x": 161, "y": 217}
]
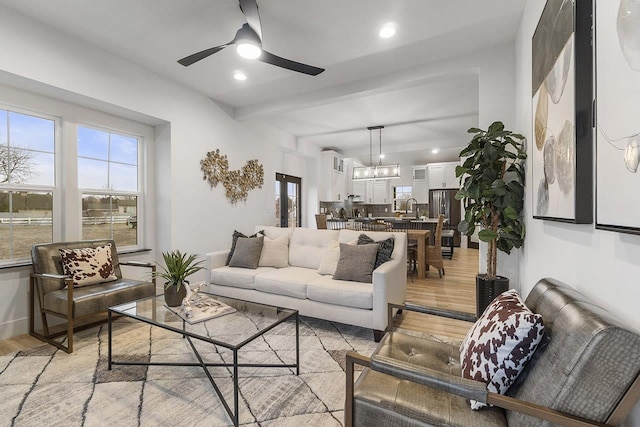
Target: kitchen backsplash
[{"x": 352, "y": 209}]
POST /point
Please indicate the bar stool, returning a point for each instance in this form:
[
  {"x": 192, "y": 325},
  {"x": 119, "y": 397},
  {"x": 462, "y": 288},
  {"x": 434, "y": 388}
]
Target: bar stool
[{"x": 447, "y": 243}]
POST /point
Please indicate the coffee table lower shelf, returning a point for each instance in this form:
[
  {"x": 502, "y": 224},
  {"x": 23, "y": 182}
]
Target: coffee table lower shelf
[{"x": 189, "y": 336}]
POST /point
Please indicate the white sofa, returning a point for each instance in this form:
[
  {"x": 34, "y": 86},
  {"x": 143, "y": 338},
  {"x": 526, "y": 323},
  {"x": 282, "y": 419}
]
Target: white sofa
[{"x": 300, "y": 286}]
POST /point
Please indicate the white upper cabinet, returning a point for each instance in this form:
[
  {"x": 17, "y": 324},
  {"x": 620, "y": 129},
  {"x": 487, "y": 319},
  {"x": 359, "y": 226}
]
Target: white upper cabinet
[
  {"x": 420, "y": 173},
  {"x": 442, "y": 175},
  {"x": 333, "y": 185}
]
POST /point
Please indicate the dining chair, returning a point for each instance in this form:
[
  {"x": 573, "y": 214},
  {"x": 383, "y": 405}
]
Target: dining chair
[
  {"x": 321, "y": 221},
  {"x": 434, "y": 253}
]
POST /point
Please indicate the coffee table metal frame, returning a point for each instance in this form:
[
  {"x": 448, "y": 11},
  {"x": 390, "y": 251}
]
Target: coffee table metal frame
[{"x": 234, "y": 415}]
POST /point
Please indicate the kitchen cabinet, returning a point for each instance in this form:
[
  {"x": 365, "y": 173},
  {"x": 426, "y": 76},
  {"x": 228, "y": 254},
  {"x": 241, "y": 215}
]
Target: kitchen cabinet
[
  {"x": 377, "y": 192},
  {"x": 420, "y": 173},
  {"x": 332, "y": 178},
  {"x": 420, "y": 185},
  {"x": 442, "y": 175}
]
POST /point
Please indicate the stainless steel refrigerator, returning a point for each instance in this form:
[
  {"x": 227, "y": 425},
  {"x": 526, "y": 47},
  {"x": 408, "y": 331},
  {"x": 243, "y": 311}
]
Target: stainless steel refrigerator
[{"x": 444, "y": 202}]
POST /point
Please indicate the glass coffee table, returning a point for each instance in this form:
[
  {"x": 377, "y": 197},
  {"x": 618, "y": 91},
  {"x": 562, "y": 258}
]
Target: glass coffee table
[{"x": 248, "y": 322}]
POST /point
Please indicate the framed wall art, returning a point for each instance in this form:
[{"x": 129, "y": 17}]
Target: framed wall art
[
  {"x": 617, "y": 28},
  {"x": 562, "y": 79}
]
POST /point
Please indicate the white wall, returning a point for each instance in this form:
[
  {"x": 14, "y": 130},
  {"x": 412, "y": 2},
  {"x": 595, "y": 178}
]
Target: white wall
[
  {"x": 188, "y": 125},
  {"x": 603, "y": 265}
]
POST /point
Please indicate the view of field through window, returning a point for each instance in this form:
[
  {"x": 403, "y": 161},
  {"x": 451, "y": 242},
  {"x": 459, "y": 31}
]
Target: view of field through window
[
  {"x": 27, "y": 145},
  {"x": 108, "y": 172}
]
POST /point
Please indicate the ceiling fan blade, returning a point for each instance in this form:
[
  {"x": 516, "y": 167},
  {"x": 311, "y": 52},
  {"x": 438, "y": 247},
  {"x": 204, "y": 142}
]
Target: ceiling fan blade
[
  {"x": 192, "y": 59},
  {"x": 250, "y": 10},
  {"x": 272, "y": 59}
]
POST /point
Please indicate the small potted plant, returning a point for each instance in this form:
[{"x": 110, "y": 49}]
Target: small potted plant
[
  {"x": 178, "y": 267},
  {"x": 492, "y": 189}
]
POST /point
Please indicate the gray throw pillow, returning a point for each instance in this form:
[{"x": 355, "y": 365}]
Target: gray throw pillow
[
  {"x": 234, "y": 239},
  {"x": 356, "y": 263},
  {"x": 247, "y": 253},
  {"x": 385, "y": 248}
]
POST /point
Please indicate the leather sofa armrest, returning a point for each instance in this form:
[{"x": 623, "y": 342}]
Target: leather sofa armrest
[
  {"x": 49, "y": 276},
  {"x": 452, "y": 314},
  {"x": 469, "y": 389},
  {"x": 138, "y": 264}
]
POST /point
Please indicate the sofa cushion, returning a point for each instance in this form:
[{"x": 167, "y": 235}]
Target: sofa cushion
[
  {"x": 385, "y": 248},
  {"x": 275, "y": 252},
  {"x": 347, "y": 236},
  {"x": 234, "y": 240},
  {"x": 247, "y": 252},
  {"x": 88, "y": 266},
  {"x": 498, "y": 346},
  {"x": 307, "y": 246},
  {"x": 330, "y": 259},
  {"x": 339, "y": 292},
  {"x": 236, "y": 277},
  {"x": 356, "y": 262},
  {"x": 290, "y": 281},
  {"x": 274, "y": 232}
]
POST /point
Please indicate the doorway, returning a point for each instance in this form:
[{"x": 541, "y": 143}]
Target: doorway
[{"x": 288, "y": 200}]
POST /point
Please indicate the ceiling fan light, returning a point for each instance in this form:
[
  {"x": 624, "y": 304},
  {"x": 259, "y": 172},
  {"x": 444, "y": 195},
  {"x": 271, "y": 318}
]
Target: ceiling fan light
[{"x": 248, "y": 50}]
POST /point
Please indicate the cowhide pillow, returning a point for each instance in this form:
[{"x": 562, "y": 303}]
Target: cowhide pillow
[
  {"x": 500, "y": 343},
  {"x": 88, "y": 266}
]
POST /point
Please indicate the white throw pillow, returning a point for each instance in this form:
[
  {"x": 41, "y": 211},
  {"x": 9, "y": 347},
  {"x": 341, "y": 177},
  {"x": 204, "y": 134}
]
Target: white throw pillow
[
  {"x": 275, "y": 252},
  {"x": 330, "y": 259}
]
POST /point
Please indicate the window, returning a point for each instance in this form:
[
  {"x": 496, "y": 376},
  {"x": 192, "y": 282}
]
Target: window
[
  {"x": 27, "y": 182},
  {"x": 400, "y": 196},
  {"x": 108, "y": 179},
  {"x": 288, "y": 199}
]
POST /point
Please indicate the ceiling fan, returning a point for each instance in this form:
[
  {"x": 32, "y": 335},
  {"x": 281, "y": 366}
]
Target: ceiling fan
[{"x": 248, "y": 42}]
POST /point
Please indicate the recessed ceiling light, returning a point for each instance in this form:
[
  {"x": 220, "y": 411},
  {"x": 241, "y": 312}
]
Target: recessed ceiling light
[
  {"x": 388, "y": 30},
  {"x": 435, "y": 151},
  {"x": 382, "y": 155},
  {"x": 239, "y": 75}
]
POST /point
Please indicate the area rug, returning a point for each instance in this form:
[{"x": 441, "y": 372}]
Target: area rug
[{"x": 48, "y": 387}]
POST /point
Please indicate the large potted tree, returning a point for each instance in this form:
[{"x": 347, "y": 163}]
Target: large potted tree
[{"x": 492, "y": 190}]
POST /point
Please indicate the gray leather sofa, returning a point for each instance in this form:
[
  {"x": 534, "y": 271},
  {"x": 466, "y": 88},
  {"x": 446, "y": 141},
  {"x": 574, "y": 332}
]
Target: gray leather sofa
[
  {"x": 584, "y": 372},
  {"x": 57, "y": 297}
]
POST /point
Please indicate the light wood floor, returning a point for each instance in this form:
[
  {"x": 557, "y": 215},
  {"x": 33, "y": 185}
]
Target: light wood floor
[{"x": 454, "y": 291}]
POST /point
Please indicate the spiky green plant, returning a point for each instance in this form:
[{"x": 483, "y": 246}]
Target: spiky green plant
[
  {"x": 178, "y": 267},
  {"x": 492, "y": 188}
]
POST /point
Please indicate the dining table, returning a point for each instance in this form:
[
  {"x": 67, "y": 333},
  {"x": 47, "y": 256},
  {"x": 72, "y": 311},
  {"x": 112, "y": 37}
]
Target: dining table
[{"x": 422, "y": 237}]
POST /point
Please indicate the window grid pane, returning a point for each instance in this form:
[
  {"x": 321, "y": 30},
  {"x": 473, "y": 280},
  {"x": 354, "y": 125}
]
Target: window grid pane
[
  {"x": 107, "y": 161},
  {"x": 110, "y": 217},
  {"x": 26, "y": 218}
]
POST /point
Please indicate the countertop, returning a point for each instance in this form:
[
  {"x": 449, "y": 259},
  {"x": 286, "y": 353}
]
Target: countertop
[{"x": 390, "y": 218}]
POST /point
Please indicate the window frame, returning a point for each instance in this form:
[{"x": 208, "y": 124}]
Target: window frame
[
  {"x": 395, "y": 195},
  {"x": 139, "y": 194},
  {"x": 57, "y": 203}
]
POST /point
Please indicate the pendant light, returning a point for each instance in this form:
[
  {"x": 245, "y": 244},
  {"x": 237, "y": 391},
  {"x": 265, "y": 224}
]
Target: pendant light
[{"x": 379, "y": 171}]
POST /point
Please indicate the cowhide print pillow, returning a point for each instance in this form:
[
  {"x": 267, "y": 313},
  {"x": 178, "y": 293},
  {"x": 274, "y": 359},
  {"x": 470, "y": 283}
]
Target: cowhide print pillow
[
  {"x": 88, "y": 266},
  {"x": 500, "y": 343}
]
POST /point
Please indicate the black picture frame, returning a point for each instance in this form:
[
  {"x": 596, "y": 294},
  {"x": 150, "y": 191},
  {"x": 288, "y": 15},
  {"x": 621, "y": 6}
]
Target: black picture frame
[
  {"x": 562, "y": 78},
  {"x": 617, "y": 77}
]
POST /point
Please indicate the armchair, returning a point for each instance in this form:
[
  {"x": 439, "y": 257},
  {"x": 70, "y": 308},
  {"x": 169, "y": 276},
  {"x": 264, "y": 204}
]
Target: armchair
[
  {"x": 58, "y": 297},
  {"x": 586, "y": 374}
]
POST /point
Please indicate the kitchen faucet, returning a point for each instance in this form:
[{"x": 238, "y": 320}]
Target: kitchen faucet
[{"x": 406, "y": 211}]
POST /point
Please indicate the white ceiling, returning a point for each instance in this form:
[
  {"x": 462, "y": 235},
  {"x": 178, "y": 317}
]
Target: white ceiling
[{"x": 368, "y": 80}]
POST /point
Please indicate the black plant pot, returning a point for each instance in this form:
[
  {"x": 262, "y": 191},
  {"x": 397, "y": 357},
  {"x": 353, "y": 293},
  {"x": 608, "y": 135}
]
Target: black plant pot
[
  {"x": 487, "y": 289},
  {"x": 173, "y": 296}
]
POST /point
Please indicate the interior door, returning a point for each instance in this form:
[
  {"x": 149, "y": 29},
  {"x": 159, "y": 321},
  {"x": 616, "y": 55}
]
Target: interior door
[{"x": 288, "y": 200}]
